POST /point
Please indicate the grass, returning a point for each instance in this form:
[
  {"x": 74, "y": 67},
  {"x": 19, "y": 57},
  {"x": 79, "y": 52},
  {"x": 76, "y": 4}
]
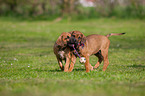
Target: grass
[{"x": 29, "y": 67}]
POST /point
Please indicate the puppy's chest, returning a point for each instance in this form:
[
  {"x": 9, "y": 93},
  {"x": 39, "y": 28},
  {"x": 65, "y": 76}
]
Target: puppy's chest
[{"x": 61, "y": 54}]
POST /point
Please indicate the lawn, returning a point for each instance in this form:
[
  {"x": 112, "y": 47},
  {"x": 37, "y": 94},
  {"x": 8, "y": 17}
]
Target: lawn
[{"x": 28, "y": 66}]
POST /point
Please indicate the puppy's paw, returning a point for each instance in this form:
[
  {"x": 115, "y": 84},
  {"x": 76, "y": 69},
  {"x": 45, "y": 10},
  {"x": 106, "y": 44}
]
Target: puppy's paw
[
  {"x": 91, "y": 68},
  {"x": 65, "y": 70}
]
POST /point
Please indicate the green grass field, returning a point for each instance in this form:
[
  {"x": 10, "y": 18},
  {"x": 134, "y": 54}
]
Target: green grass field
[{"x": 28, "y": 66}]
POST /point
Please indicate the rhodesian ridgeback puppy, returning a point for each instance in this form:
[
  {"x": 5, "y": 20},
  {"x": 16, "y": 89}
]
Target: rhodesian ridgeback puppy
[
  {"x": 63, "y": 52},
  {"x": 97, "y": 45}
]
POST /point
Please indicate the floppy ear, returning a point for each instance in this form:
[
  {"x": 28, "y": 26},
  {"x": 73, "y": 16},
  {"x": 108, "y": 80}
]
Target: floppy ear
[
  {"x": 59, "y": 41},
  {"x": 71, "y": 32},
  {"x": 83, "y": 40}
]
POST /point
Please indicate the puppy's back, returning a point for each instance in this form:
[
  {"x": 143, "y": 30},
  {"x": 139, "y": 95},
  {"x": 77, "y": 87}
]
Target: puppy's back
[{"x": 98, "y": 41}]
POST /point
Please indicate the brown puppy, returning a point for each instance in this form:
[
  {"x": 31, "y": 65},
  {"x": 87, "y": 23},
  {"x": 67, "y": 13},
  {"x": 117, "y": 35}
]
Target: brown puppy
[
  {"x": 63, "y": 53},
  {"x": 94, "y": 45}
]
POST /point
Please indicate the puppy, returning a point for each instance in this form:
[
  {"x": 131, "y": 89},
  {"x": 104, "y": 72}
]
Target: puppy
[
  {"x": 97, "y": 45},
  {"x": 63, "y": 52}
]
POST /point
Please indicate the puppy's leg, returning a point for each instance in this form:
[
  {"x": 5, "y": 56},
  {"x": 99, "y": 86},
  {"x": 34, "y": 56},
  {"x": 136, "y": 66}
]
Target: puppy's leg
[
  {"x": 60, "y": 64},
  {"x": 91, "y": 67},
  {"x": 106, "y": 61},
  {"x": 88, "y": 66},
  {"x": 67, "y": 65},
  {"x": 68, "y": 57},
  {"x": 73, "y": 60},
  {"x": 100, "y": 59}
]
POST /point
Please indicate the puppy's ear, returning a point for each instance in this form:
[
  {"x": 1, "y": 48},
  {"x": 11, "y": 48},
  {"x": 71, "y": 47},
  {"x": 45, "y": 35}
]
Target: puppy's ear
[
  {"x": 83, "y": 40},
  {"x": 59, "y": 41},
  {"x": 72, "y": 32}
]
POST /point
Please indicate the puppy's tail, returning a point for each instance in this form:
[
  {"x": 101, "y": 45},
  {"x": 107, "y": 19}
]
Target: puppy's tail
[{"x": 113, "y": 34}]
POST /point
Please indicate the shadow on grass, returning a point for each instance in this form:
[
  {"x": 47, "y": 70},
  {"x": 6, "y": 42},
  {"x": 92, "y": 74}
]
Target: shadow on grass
[
  {"x": 45, "y": 70},
  {"x": 55, "y": 70},
  {"x": 137, "y": 66},
  {"x": 79, "y": 69}
]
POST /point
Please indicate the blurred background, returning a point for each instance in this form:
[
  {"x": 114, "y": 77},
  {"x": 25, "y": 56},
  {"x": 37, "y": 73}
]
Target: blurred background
[
  {"x": 29, "y": 29},
  {"x": 72, "y": 9}
]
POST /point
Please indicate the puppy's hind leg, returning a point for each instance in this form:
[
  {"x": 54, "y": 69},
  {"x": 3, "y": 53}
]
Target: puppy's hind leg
[
  {"x": 100, "y": 59},
  {"x": 106, "y": 61}
]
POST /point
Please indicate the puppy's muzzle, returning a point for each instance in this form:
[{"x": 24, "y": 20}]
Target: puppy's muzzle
[{"x": 72, "y": 41}]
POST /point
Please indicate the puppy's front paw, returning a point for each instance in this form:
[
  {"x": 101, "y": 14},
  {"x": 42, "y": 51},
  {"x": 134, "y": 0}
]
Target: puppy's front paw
[
  {"x": 65, "y": 70},
  {"x": 91, "y": 68}
]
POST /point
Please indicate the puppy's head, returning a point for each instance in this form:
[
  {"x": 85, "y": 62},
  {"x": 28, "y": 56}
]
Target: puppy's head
[
  {"x": 63, "y": 39},
  {"x": 79, "y": 36}
]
